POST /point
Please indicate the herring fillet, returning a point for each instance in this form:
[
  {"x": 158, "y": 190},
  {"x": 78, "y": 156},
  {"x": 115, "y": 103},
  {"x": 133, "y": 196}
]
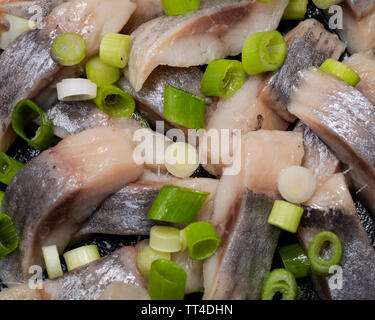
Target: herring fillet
[
  {"x": 28, "y": 8},
  {"x": 364, "y": 64},
  {"x": 55, "y": 192},
  {"x": 361, "y": 8},
  {"x": 309, "y": 44},
  {"x": 343, "y": 118},
  {"x": 217, "y": 30},
  {"x": 26, "y": 65}
]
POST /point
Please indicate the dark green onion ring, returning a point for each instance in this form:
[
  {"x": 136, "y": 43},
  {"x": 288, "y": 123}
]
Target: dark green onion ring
[
  {"x": 8, "y": 168},
  {"x": 8, "y": 236},
  {"x": 295, "y": 260},
  {"x": 282, "y": 281}
]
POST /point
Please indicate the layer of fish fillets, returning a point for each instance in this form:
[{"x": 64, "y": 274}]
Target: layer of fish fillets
[
  {"x": 125, "y": 212},
  {"x": 309, "y": 44},
  {"x": 242, "y": 206},
  {"x": 344, "y": 119},
  {"x": 26, "y": 65},
  {"x": 359, "y": 35},
  {"x": 146, "y": 10},
  {"x": 150, "y": 99},
  {"x": 318, "y": 157},
  {"x": 54, "y": 193},
  {"x": 361, "y": 8},
  {"x": 217, "y": 30},
  {"x": 244, "y": 112},
  {"x": 28, "y": 8},
  {"x": 364, "y": 64},
  {"x": 333, "y": 209},
  {"x": 122, "y": 291},
  {"x": 89, "y": 282}
]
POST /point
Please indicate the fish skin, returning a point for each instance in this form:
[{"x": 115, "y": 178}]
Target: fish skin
[
  {"x": 343, "y": 118},
  {"x": 309, "y": 44},
  {"x": 229, "y": 22},
  {"x": 360, "y": 8},
  {"x": 70, "y": 172},
  {"x": 363, "y": 63},
  {"x": 89, "y": 282},
  {"x": 26, "y": 65}
]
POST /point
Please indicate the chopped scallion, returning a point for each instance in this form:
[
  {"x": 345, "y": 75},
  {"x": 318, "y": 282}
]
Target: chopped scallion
[
  {"x": 295, "y": 260},
  {"x": 325, "y": 4},
  {"x": 282, "y": 281},
  {"x": 146, "y": 256},
  {"x": 9, "y": 167},
  {"x": 52, "y": 261},
  {"x": 175, "y": 8},
  {"x": 101, "y": 73},
  {"x": 341, "y": 71},
  {"x": 181, "y": 159},
  {"x": 76, "y": 89},
  {"x": 115, "y": 49},
  {"x": 68, "y": 49},
  {"x": 81, "y": 256},
  {"x": 165, "y": 239},
  {"x": 286, "y": 216},
  {"x": 295, "y": 10},
  {"x": 8, "y": 236}
]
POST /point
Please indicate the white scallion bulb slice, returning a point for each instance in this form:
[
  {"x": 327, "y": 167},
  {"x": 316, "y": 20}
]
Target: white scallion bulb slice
[
  {"x": 296, "y": 184},
  {"x": 81, "y": 256},
  {"x": 165, "y": 239},
  {"x": 181, "y": 159},
  {"x": 52, "y": 261},
  {"x": 76, "y": 90},
  {"x": 146, "y": 256}
]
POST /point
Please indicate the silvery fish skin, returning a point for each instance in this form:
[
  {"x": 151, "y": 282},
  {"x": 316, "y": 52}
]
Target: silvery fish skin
[
  {"x": 150, "y": 99},
  {"x": 339, "y": 215},
  {"x": 26, "y": 65},
  {"x": 343, "y": 118},
  {"x": 217, "y": 30},
  {"x": 125, "y": 212},
  {"x": 364, "y": 64},
  {"x": 309, "y": 44},
  {"x": 55, "y": 192},
  {"x": 89, "y": 282},
  {"x": 361, "y": 8},
  {"x": 242, "y": 206}
]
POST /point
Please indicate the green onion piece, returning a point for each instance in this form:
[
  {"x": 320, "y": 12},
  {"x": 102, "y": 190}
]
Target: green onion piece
[
  {"x": 8, "y": 236},
  {"x": 295, "y": 260},
  {"x": 183, "y": 108},
  {"x": 286, "y": 216},
  {"x": 341, "y": 71},
  {"x": 175, "y": 8},
  {"x": 320, "y": 265},
  {"x": 295, "y": 10},
  {"x": 68, "y": 49},
  {"x": 282, "y": 281},
  {"x": 263, "y": 51},
  {"x": 222, "y": 78},
  {"x": 20, "y": 116},
  {"x": 114, "y": 101},
  {"x": 81, "y": 256},
  {"x": 115, "y": 49},
  {"x": 325, "y": 4},
  {"x": 202, "y": 240},
  {"x": 165, "y": 239},
  {"x": 167, "y": 281},
  {"x": 9, "y": 167},
  {"x": 1, "y": 197},
  {"x": 146, "y": 256},
  {"x": 177, "y": 205},
  {"x": 52, "y": 261},
  {"x": 100, "y": 72}
]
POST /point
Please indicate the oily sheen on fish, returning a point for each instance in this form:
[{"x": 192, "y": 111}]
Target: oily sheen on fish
[
  {"x": 26, "y": 65},
  {"x": 54, "y": 193},
  {"x": 218, "y": 29},
  {"x": 343, "y": 118},
  {"x": 309, "y": 44}
]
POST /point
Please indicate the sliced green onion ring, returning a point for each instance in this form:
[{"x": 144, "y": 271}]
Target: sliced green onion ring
[
  {"x": 286, "y": 216},
  {"x": 183, "y": 108},
  {"x": 295, "y": 10},
  {"x": 320, "y": 265},
  {"x": 52, "y": 262},
  {"x": 222, "y": 78},
  {"x": 146, "y": 256},
  {"x": 115, "y": 49},
  {"x": 263, "y": 51},
  {"x": 9, "y": 167},
  {"x": 165, "y": 239},
  {"x": 341, "y": 71},
  {"x": 177, "y": 205},
  {"x": 115, "y": 102},
  {"x": 167, "y": 281},
  {"x": 295, "y": 260},
  {"x": 68, "y": 49},
  {"x": 81, "y": 256},
  {"x": 76, "y": 90},
  {"x": 282, "y": 281},
  {"x": 101, "y": 73},
  {"x": 175, "y": 8},
  {"x": 21, "y": 115},
  {"x": 325, "y": 4},
  {"x": 201, "y": 239},
  {"x": 8, "y": 236}
]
